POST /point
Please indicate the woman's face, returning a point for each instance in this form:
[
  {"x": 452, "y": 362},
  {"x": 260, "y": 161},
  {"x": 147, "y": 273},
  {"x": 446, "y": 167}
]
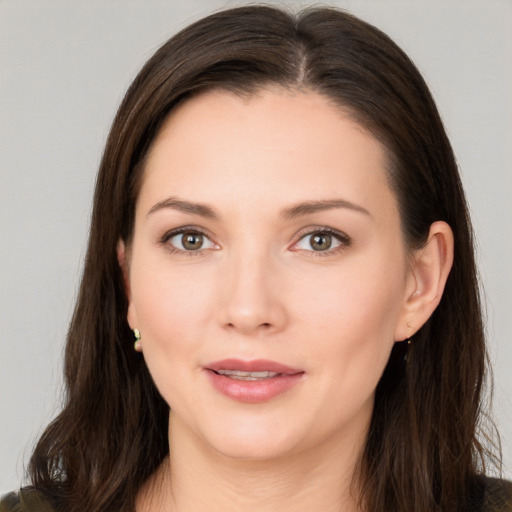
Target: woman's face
[{"x": 267, "y": 273}]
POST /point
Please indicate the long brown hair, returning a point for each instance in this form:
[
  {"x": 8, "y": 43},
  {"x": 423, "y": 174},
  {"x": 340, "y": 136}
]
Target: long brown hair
[{"x": 422, "y": 451}]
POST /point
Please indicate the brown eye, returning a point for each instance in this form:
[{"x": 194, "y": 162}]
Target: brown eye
[
  {"x": 192, "y": 241},
  {"x": 320, "y": 241}
]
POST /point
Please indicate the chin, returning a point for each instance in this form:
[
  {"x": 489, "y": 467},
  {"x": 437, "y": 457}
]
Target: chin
[
  {"x": 254, "y": 450},
  {"x": 254, "y": 440}
]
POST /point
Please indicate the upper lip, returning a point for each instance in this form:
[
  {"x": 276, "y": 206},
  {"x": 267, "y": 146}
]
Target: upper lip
[{"x": 256, "y": 365}]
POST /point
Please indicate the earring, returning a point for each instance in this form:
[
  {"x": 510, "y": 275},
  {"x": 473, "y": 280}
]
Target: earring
[
  {"x": 407, "y": 345},
  {"x": 137, "y": 345}
]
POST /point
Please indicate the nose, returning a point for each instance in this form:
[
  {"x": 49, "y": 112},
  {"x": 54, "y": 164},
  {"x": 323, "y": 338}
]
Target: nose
[{"x": 253, "y": 300}]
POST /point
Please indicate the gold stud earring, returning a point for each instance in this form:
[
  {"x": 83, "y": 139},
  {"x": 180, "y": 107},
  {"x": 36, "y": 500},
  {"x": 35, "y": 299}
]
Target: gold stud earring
[{"x": 137, "y": 345}]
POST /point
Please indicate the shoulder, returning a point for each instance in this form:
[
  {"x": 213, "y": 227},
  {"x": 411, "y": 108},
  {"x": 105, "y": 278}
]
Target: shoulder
[
  {"x": 25, "y": 500},
  {"x": 497, "y": 496}
]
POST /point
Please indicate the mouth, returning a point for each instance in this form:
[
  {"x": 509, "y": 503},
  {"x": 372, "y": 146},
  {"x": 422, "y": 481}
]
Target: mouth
[
  {"x": 239, "y": 375},
  {"x": 252, "y": 381}
]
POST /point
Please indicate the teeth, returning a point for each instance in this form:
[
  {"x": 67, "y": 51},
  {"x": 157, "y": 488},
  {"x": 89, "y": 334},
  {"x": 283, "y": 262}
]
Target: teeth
[{"x": 239, "y": 375}]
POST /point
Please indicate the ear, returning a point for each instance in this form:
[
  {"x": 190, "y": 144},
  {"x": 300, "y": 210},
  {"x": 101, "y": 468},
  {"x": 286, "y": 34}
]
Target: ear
[
  {"x": 430, "y": 267},
  {"x": 123, "y": 259}
]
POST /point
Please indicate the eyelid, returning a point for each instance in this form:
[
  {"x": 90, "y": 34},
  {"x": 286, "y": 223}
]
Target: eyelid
[
  {"x": 168, "y": 235},
  {"x": 343, "y": 239}
]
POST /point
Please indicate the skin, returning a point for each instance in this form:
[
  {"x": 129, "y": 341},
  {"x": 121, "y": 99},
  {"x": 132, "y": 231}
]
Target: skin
[{"x": 257, "y": 289}]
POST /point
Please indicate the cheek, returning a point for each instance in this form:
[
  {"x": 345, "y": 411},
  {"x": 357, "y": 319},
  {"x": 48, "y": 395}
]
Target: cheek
[
  {"x": 172, "y": 307},
  {"x": 354, "y": 300},
  {"x": 352, "y": 318},
  {"x": 172, "y": 310}
]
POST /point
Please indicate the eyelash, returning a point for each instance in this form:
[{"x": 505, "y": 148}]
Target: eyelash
[
  {"x": 192, "y": 230},
  {"x": 343, "y": 239}
]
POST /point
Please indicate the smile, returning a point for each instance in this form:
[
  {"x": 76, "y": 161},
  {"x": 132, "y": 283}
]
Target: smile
[
  {"x": 239, "y": 375},
  {"x": 253, "y": 381}
]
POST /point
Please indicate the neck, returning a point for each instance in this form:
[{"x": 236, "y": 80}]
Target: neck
[{"x": 201, "y": 479}]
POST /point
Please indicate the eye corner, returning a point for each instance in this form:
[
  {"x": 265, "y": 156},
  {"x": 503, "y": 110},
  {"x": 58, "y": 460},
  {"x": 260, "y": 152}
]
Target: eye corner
[
  {"x": 173, "y": 240},
  {"x": 334, "y": 240}
]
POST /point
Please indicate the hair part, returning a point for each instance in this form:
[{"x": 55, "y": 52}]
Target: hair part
[{"x": 112, "y": 433}]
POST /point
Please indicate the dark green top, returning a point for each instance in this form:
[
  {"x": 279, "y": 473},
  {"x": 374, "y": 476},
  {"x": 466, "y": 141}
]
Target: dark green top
[
  {"x": 497, "y": 496},
  {"x": 494, "y": 496},
  {"x": 25, "y": 500}
]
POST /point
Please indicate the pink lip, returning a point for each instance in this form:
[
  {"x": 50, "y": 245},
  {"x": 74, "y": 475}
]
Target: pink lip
[
  {"x": 257, "y": 365},
  {"x": 256, "y": 391}
]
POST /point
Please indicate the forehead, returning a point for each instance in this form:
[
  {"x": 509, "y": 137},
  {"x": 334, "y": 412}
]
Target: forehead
[{"x": 277, "y": 143}]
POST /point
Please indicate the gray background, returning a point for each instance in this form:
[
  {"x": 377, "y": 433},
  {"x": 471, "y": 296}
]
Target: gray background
[{"x": 64, "y": 66}]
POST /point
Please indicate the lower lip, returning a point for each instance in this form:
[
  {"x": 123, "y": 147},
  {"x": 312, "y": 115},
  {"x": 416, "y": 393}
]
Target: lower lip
[{"x": 253, "y": 391}]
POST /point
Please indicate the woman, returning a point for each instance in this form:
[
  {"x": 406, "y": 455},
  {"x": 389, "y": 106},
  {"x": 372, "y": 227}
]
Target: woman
[{"x": 279, "y": 225}]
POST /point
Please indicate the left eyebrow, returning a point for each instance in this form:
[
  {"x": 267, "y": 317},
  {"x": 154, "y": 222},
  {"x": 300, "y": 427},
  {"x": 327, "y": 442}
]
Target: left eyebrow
[
  {"x": 309, "y": 207},
  {"x": 186, "y": 207}
]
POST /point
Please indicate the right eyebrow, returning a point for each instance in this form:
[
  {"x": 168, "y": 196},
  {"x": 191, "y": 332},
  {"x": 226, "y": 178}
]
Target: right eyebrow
[{"x": 185, "y": 206}]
